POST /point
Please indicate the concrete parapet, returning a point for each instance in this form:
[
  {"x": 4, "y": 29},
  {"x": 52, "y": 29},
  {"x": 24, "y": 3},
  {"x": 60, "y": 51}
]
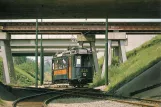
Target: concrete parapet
[{"x": 117, "y": 36}]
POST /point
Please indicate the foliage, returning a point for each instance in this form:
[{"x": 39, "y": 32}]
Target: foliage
[
  {"x": 97, "y": 81},
  {"x": 22, "y": 77},
  {"x": 139, "y": 60},
  {"x": 1, "y": 102},
  {"x": 28, "y": 66},
  {"x": 19, "y": 60},
  {"x": 27, "y": 71},
  {"x": 147, "y": 44},
  {"x": 100, "y": 62},
  {"x": 47, "y": 66},
  {"x": 115, "y": 61}
]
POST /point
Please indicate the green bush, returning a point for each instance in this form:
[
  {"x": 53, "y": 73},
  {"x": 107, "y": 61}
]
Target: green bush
[
  {"x": 23, "y": 78},
  {"x": 115, "y": 61},
  {"x": 97, "y": 81},
  {"x": 29, "y": 67},
  {"x": 1, "y": 102}
]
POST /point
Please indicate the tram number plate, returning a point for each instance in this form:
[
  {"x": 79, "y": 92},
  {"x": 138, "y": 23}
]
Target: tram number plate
[{"x": 84, "y": 70}]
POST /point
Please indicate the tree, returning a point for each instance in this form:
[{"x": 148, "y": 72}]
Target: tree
[{"x": 19, "y": 60}]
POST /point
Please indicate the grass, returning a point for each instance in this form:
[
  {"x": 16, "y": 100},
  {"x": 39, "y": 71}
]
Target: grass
[
  {"x": 1, "y": 102},
  {"x": 22, "y": 72},
  {"x": 139, "y": 60},
  {"x": 22, "y": 77}
]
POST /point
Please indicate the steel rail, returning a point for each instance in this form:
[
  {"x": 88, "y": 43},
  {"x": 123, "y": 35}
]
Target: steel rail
[{"x": 65, "y": 91}]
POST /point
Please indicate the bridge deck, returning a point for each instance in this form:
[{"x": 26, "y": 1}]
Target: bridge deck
[{"x": 13, "y": 9}]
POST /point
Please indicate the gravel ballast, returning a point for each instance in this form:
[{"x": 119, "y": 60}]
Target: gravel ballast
[{"x": 86, "y": 102}]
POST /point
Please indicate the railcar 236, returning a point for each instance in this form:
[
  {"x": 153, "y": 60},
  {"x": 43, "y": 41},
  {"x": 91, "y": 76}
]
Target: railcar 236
[{"x": 74, "y": 67}]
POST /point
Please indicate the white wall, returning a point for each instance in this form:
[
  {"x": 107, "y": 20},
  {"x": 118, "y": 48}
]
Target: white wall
[{"x": 135, "y": 40}]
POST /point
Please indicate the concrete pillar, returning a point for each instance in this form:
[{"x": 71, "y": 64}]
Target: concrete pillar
[
  {"x": 109, "y": 53},
  {"x": 7, "y": 57},
  {"x": 95, "y": 56},
  {"x": 122, "y": 51},
  {"x": 103, "y": 69},
  {"x": 109, "y": 59}
]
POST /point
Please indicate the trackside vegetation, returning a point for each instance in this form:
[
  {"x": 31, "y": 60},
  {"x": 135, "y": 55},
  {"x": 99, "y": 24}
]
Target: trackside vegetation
[
  {"x": 1, "y": 102},
  {"x": 24, "y": 69},
  {"x": 139, "y": 60}
]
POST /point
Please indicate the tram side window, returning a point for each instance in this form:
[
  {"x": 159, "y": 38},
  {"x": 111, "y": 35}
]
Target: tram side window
[
  {"x": 64, "y": 62},
  {"x": 83, "y": 61},
  {"x": 60, "y": 64},
  {"x": 55, "y": 64}
]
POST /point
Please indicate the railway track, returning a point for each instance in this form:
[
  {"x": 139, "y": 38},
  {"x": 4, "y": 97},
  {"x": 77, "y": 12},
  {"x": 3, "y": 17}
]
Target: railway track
[
  {"x": 38, "y": 99},
  {"x": 43, "y": 99},
  {"x": 132, "y": 101}
]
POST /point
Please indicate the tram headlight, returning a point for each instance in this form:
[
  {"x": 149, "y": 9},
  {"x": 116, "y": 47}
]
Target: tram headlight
[{"x": 84, "y": 74}]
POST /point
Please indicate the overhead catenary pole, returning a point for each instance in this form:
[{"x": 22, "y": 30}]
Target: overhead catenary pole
[
  {"x": 41, "y": 63},
  {"x": 36, "y": 55},
  {"x": 106, "y": 53}
]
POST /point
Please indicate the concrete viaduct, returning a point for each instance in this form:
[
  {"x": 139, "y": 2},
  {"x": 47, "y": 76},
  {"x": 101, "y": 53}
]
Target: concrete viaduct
[
  {"x": 26, "y": 45},
  {"x": 115, "y": 29},
  {"x": 79, "y": 27}
]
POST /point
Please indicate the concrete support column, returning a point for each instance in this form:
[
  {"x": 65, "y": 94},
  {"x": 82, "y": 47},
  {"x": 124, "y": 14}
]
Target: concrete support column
[
  {"x": 122, "y": 51},
  {"x": 7, "y": 57},
  {"x": 109, "y": 59},
  {"x": 95, "y": 56},
  {"x": 5, "y": 63},
  {"x": 103, "y": 68},
  {"x": 109, "y": 53}
]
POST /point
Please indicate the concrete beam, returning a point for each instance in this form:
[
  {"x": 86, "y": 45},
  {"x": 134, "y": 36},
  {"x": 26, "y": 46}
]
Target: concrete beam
[
  {"x": 51, "y": 43},
  {"x": 117, "y": 36},
  {"x": 4, "y": 36}
]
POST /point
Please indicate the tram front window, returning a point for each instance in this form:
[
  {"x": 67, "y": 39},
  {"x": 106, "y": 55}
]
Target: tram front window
[
  {"x": 78, "y": 61},
  {"x": 83, "y": 61}
]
